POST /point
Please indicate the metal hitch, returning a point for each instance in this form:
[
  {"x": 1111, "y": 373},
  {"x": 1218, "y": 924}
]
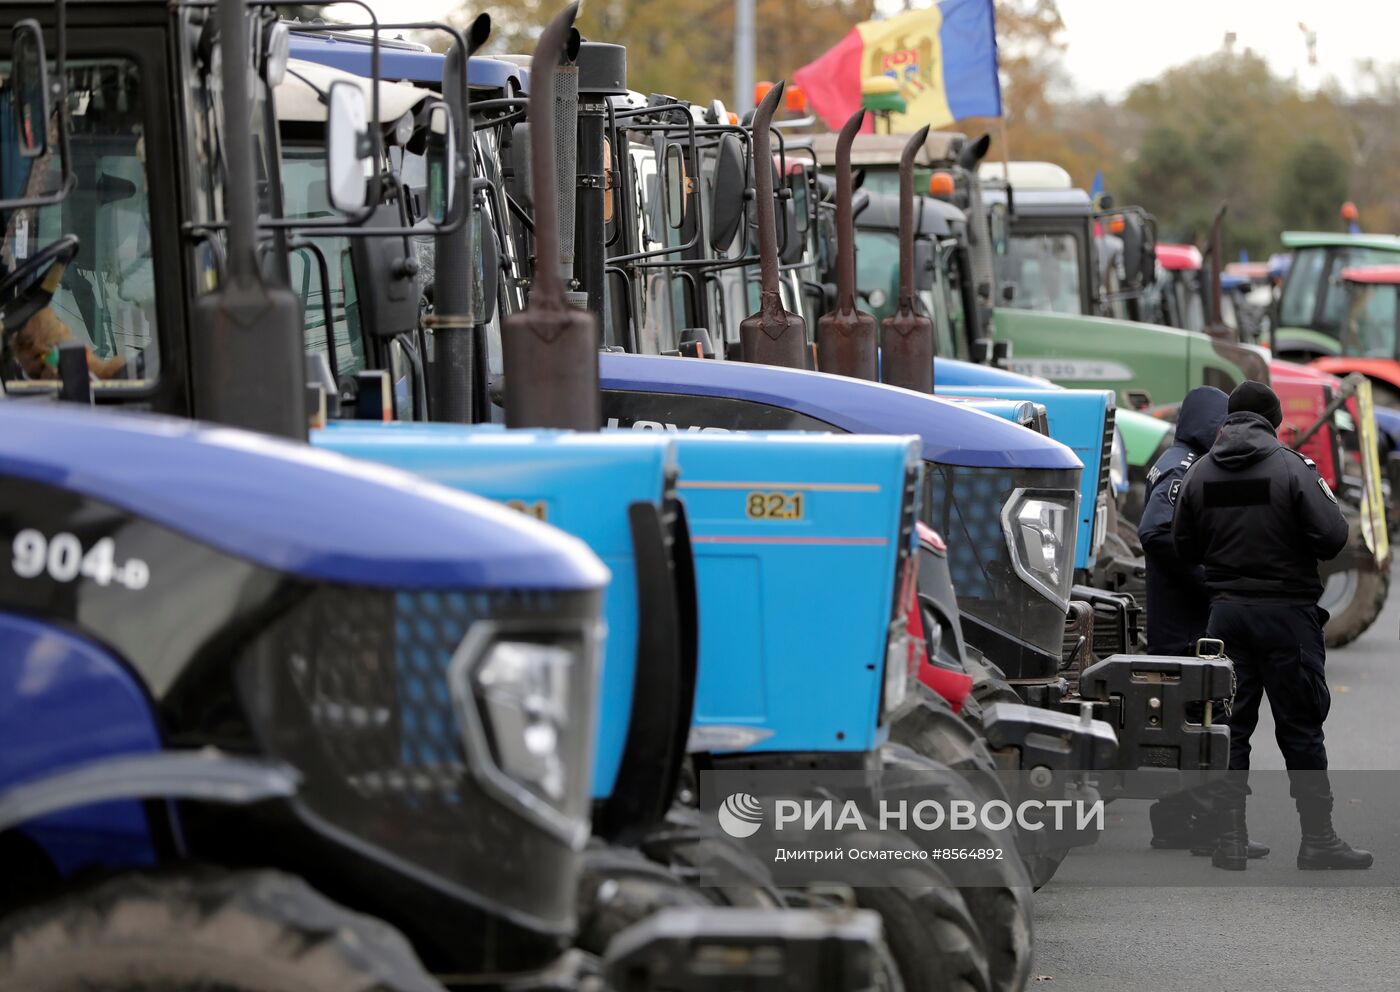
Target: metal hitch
[
  {"x": 1162, "y": 709},
  {"x": 754, "y": 949},
  {"x": 1054, "y": 751}
]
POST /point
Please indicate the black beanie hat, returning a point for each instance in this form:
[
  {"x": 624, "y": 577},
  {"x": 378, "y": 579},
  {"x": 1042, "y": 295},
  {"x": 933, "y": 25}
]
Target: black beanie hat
[{"x": 1255, "y": 397}]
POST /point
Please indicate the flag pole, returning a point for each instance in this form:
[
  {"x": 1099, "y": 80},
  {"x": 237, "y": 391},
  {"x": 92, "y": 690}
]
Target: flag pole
[{"x": 1005, "y": 148}]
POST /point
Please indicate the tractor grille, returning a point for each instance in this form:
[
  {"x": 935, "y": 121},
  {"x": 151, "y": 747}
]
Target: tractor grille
[
  {"x": 1077, "y": 652},
  {"x": 351, "y": 687},
  {"x": 1116, "y": 620},
  {"x": 368, "y": 671},
  {"x": 1106, "y": 456},
  {"x": 964, "y": 504}
]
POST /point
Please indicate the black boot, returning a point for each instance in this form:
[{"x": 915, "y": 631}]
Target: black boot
[
  {"x": 1254, "y": 849},
  {"x": 1178, "y": 821},
  {"x": 1321, "y": 848},
  {"x": 1232, "y": 846}
]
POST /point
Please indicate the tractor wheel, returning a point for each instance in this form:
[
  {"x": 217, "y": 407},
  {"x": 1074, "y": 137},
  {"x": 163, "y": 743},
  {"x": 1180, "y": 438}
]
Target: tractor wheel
[
  {"x": 620, "y": 886},
  {"x": 1355, "y": 599},
  {"x": 1125, "y": 535},
  {"x": 1385, "y": 395},
  {"x": 989, "y": 683},
  {"x": 1042, "y": 866},
  {"x": 255, "y": 931},
  {"x": 936, "y": 944},
  {"x": 999, "y": 898},
  {"x": 693, "y": 848}
]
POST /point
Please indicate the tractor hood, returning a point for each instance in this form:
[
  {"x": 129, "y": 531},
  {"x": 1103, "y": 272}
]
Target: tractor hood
[
  {"x": 289, "y": 507},
  {"x": 949, "y": 433}
]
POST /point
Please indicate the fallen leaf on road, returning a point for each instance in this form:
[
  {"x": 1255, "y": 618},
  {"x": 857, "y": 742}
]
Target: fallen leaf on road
[{"x": 1044, "y": 978}]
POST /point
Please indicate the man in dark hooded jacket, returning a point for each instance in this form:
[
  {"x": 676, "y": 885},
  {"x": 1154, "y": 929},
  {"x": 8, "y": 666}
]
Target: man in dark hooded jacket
[
  {"x": 1178, "y": 603},
  {"x": 1259, "y": 518}
]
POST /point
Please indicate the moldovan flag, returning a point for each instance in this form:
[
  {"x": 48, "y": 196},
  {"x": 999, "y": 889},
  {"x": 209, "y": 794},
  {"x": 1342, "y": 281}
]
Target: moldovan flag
[{"x": 943, "y": 60}]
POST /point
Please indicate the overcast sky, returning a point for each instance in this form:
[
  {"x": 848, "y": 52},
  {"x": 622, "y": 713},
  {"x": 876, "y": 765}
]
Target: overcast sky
[{"x": 1115, "y": 43}]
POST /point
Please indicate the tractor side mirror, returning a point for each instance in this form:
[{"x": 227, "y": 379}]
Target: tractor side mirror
[
  {"x": 441, "y": 161},
  {"x": 347, "y": 147},
  {"x": 1132, "y": 250},
  {"x": 29, "y": 89},
  {"x": 385, "y": 274},
  {"x": 727, "y": 203},
  {"x": 997, "y": 228},
  {"x": 801, "y": 203},
  {"x": 925, "y": 263},
  {"x": 678, "y": 186}
]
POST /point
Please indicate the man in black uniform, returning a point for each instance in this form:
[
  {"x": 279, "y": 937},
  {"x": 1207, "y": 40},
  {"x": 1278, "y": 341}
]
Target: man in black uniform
[
  {"x": 1178, "y": 602},
  {"x": 1258, "y": 517}
]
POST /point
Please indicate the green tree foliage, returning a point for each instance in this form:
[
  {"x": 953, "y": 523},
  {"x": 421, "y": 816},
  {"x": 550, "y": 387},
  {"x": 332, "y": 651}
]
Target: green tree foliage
[
  {"x": 1224, "y": 128},
  {"x": 1312, "y": 185}
]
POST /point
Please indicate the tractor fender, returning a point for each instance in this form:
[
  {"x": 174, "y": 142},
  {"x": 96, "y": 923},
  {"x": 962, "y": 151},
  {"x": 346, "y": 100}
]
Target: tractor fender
[
  {"x": 204, "y": 776},
  {"x": 80, "y": 749}
]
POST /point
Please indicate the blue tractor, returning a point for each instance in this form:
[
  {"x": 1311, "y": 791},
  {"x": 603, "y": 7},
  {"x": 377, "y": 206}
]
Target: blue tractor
[
  {"x": 759, "y": 548},
  {"x": 243, "y": 666}
]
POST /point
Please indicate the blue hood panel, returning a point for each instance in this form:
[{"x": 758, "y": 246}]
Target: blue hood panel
[
  {"x": 795, "y": 609},
  {"x": 581, "y": 483},
  {"x": 287, "y": 506},
  {"x": 353, "y": 55},
  {"x": 952, "y": 372},
  {"x": 1076, "y": 418},
  {"x": 950, "y": 434}
]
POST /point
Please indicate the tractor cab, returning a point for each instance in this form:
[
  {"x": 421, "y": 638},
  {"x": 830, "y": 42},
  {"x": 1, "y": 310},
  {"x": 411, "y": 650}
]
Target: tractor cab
[{"x": 1313, "y": 303}]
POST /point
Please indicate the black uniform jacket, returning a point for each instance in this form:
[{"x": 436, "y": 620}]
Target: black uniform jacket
[
  {"x": 1258, "y": 516},
  {"x": 1178, "y": 603}
]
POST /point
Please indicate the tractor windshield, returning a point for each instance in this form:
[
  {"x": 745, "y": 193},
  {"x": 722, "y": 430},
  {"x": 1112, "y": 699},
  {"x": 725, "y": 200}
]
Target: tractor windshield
[
  {"x": 1369, "y": 330},
  {"x": 1313, "y": 294},
  {"x": 105, "y": 297},
  {"x": 1044, "y": 268}
]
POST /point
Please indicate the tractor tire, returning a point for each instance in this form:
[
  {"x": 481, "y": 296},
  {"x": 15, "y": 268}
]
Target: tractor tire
[
  {"x": 1356, "y": 598},
  {"x": 1042, "y": 866},
  {"x": 694, "y": 849},
  {"x": 999, "y": 900},
  {"x": 935, "y": 942},
  {"x": 620, "y": 886},
  {"x": 254, "y": 931},
  {"x": 989, "y": 684}
]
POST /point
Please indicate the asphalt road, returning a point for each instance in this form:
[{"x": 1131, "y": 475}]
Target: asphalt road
[{"x": 1266, "y": 936}]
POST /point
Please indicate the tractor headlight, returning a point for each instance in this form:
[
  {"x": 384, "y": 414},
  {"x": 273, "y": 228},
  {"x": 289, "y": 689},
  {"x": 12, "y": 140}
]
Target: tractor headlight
[
  {"x": 523, "y": 692},
  {"x": 899, "y": 646},
  {"x": 1118, "y": 463},
  {"x": 1039, "y": 525},
  {"x": 524, "y": 703}
]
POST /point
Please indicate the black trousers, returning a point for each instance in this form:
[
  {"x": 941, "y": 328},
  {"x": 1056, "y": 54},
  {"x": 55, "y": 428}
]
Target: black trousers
[{"x": 1278, "y": 652}]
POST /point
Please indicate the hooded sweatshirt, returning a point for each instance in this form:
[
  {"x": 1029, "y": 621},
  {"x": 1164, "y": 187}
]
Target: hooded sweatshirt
[
  {"x": 1178, "y": 603},
  {"x": 1258, "y": 516}
]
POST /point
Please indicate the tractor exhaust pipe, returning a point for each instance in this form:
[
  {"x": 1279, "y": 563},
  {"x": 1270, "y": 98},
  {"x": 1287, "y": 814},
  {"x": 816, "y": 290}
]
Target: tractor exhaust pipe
[
  {"x": 454, "y": 372},
  {"x": 550, "y": 349},
  {"x": 1214, "y": 248},
  {"x": 906, "y": 336},
  {"x": 846, "y": 337},
  {"x": 772, "y": 335},
  {"x": 565, "y": 91},
  {"x": 247, "y": 364}
]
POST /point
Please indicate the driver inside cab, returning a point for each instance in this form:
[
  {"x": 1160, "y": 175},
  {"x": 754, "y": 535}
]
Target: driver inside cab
[{"x": 35, "y": 349}]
